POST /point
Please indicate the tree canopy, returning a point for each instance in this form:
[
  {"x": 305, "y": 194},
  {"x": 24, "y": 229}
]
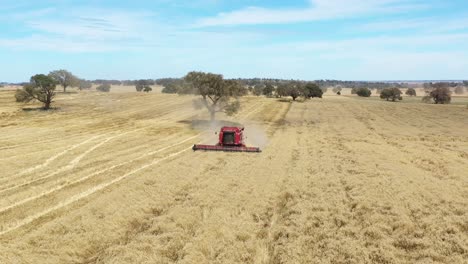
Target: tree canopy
[
  {"x": 218, "y": 94},
  {"x": 268, "y": 90},
  {"x": 312, "y": 90},
  {"x": 391, "y": 94},
  {"x": 64, "y": 78},
  {"x": 363, "y": 92},
  {"x": 411, "y": 92},
  {"x": 84, "y": 84},
  {"x": 41, "y": 88},
  {"x": 105, "y": 87},
  {"x": 141, "y": 85},
  {"x": 441, "y": 95},
  {"x": 258, "y": 89}
]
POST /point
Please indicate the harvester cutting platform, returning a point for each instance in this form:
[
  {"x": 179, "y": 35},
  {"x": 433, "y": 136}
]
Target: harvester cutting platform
[{"x": 230, "y": 139}]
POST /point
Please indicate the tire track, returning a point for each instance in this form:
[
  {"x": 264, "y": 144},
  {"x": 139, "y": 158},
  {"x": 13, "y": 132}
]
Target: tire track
[
  {"x": 32, "y": 198},
  {"x": 92, "y": 190},
  {"x": 75, "y": 161},
  {"x": 85, "y": 194},
  {"x": 51, "y": 159}
]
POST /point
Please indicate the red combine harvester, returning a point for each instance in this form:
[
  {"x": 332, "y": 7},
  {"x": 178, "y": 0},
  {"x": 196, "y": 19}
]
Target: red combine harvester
[{"x": 230, "y": 139}]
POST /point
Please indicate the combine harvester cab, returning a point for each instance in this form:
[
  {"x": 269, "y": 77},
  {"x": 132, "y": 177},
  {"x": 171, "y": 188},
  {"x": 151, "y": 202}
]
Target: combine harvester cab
[{"x": 230, "y": 139}]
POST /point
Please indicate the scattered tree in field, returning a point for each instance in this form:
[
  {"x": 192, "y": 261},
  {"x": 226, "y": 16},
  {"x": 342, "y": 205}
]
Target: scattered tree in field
[
  {"x": 294, "y": 89},
  {"x": 281, "y": 90},
  {"x": 354, "y": 90},
  {"x": 218, "y": 95},
  {"x": 64, "y": 78},
  {"x": 169, "y": 89},
  {"x": 147, "y": 89},
  {"x": 105, "y": 87},
  {"x": 141, "y": 85},
  {"x": 258, "y": 89},
  {"x": 441, "y": 95},
  {"x": 41, "y": 88},
  {"x": 391, "y": 94},
  {"x": 459, "y": 90},
  {"x": 312, "y": 90},
  {"x": 410, "y": 92},
  {"x": 337, "y": 89},
  {"x": 176, "y": 86},
  {"x": 364, "y": 92},
  {"x": 84, "y": 84},
  {"x": 338, "y": 93},
  {"x": 268, "y": 90}
]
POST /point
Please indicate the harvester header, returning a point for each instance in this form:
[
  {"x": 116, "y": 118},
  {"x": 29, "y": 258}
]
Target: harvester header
[{"x": 230, "y": 139}]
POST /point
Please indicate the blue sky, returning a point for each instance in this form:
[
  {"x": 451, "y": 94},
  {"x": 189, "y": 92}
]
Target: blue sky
[{"x": 303, "y": 39}]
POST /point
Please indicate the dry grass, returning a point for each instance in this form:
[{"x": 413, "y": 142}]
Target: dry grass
[{"x": 108, "y": 178}]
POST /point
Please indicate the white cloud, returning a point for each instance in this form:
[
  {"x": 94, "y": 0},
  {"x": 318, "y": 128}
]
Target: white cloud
[{"x": 317, "y": 10}]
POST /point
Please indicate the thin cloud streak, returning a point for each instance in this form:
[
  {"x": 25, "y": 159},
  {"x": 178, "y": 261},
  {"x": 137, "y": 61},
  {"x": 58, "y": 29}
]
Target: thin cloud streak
[{"x": 317, "y": 10}]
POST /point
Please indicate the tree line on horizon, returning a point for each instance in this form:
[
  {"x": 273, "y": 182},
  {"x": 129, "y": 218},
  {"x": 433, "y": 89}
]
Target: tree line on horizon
[{"x": 42, "y": 87}]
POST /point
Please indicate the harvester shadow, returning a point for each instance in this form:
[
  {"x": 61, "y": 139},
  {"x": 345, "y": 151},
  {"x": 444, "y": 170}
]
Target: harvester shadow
[{"x": 39, "y": 109}]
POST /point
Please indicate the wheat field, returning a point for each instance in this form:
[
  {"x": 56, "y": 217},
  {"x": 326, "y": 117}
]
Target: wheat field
[{"x": 111, "y": 178}]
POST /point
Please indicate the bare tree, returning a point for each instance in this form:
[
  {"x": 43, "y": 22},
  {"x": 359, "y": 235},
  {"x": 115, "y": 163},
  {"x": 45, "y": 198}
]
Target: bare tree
[{"x": 41, "y": 88}]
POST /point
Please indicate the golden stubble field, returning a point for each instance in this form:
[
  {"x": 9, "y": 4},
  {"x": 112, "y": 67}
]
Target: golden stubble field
[{"x": 111, "y": 178}]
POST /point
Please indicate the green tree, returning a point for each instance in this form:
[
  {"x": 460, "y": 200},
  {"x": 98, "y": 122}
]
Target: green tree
[
  {"x": 441, "y": 95},
  {"x": 268, "y": 90},
  {"x": 64, "y": 78},
  {"x": 411, "y": 92},
  {"x": 364, "y": 92},
  {"x": 105, "y": 87},
  {"x": 147, "y": 89},
  {"x": 41, "y": 88},
  {"x": 391, "y": 94},
  {"x": 294, "y": 89},
  {"x": 258, "y": 89},
  {"x": 312, "y": 90},
  {"x": 141, "y": 85},
  {"x": 218, "y": 95},
  {"x": 282, "y": 90}
]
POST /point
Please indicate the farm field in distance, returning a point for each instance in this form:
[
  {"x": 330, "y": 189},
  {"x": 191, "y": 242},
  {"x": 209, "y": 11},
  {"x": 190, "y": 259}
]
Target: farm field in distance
[{"x": 111, "y": 178}]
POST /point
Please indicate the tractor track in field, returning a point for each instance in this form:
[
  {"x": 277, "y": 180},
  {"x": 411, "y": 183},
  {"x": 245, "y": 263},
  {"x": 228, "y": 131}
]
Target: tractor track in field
[
  {"x": 76, "y": 160},
  {"x": 51, "y": 159},
  {"x": 167, "y": 120},
  {"x": 187, "y": 191},
  {"x": 57, "y": 188},
  {"x": 30, "y": 219},
  {"x": 163, "y": 113},
  {"x": 84, "y": 194}
]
